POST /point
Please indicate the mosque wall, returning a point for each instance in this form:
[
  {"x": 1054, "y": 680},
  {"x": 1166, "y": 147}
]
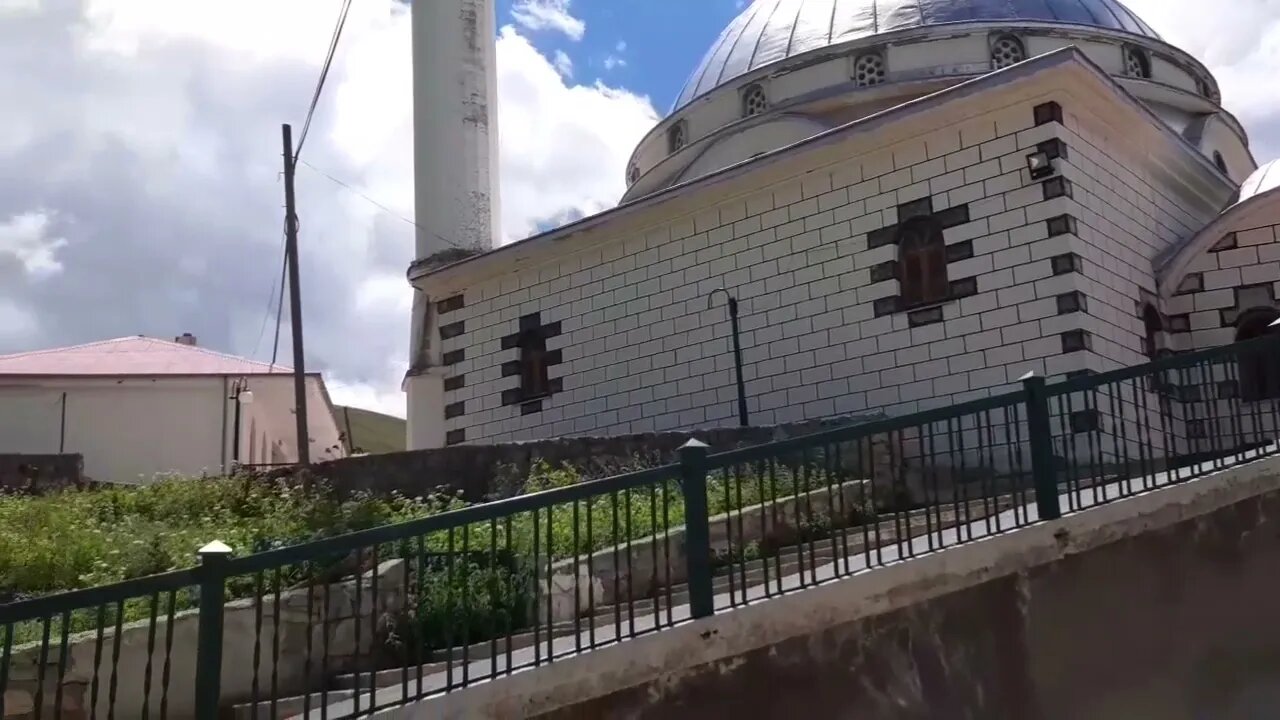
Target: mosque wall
[{"x": 634, "y": 347}]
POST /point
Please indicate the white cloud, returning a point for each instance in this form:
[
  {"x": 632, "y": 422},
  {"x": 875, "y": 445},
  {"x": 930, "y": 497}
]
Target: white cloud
[
  {"x": 150, "y": 132},
  {"x": 563, "y": 64},
  {"x": 549, "y": 15},
  {"x": 26, "y": 239}
]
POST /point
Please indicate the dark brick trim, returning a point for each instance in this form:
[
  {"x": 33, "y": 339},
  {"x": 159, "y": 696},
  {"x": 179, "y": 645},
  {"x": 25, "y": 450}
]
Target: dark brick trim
[
  {"x": 887, "y": 305},
  {"x": 1179, "y": 323},
  {"x": 1062, "y": 225},
  {"x": 952, "y": 216},
  {"x": 530, "y": 408},
  {"x": 1053, "y": 149},
  {"x": 1056, "y": 187},
  {"x": 1083, "y": 421},
  {"x": 1072, "y": 302},
  {"x": 510, "y": 368},
  {"x": 1049, "y": 112},
  {"x": 928, "y": 316},
  {"x": 453, "y": 410},
  {"x": 1066, "y": 264},
  {"x": 453, "y": 357},
  {"x": 964, "y": 287},
  {"x": 1076, "y": 340},
  {"x": 532, "y": 321},
  {"x": 450, "y": 304},
  {"x": 959, "y": 251},
  {"x": 457, "y": 382},
  {"x": 1228, "y": 242},
  {"x": 916, "y": 208},
  {"x": 455, "y": 437},
  {"x": 883, "y": 236},
  {"x": 452, "y": 330},
  {"x": 884, "y": 271}
]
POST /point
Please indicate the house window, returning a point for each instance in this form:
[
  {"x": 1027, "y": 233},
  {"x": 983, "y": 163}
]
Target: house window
[
  {"x": 922, "y": 256},
  {"x": 533, "y": 365},
  {"x": 1007, "y": 50},
  {"x": 754, "y": 100},
  {"x": 633, "y": 174},
  {"x": 1136, "y": 62},
  {"x": 677, "y": 137},
  {"x": 869, "y": 69},
  {"x": 1259, "y": 370}
]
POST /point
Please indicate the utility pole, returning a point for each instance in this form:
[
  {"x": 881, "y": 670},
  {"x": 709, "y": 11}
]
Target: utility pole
[{"x": 295, "y": 299}]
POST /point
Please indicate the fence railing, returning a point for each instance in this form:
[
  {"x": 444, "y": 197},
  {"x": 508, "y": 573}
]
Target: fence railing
[{"x": 350, "y": 625}]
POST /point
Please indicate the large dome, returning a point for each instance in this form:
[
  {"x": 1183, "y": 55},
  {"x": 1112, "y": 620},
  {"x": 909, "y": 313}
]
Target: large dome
[{"x": 773, "y": 30}]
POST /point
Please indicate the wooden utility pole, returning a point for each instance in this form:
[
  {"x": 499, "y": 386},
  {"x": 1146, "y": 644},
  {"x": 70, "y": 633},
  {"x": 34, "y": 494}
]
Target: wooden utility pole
[{"x": 295, "y": 299}]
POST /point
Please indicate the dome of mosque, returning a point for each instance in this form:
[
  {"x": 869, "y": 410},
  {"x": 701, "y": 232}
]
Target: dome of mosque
[
  {"x": 768, "y": 31},
  {"x": 1263, "y": 180}
]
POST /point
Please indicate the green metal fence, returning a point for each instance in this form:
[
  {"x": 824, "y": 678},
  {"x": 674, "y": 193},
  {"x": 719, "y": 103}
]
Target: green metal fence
[{"x": 350, "y": 625}]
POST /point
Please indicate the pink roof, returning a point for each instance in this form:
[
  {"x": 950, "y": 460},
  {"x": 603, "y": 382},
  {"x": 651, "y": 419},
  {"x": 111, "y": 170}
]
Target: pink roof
[{"x": 132, "y": 356}]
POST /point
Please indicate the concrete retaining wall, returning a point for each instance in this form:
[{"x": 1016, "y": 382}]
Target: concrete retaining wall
[{"x": 139, "y": 651}]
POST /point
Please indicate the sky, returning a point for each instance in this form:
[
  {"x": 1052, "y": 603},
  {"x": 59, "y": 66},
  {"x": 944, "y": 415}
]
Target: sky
[{"x": 140, "y": 155}]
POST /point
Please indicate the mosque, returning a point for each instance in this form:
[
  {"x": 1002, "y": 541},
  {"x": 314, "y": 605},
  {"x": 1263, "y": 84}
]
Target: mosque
[{"x": 910, "y": 203}]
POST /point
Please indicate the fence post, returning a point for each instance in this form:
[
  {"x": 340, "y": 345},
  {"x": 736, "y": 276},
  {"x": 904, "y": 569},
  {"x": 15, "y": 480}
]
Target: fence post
[
  {"x": 1041, "y": 440},
  {"x": 213, "y": 583},
  {"x": 697, "y": 527}
]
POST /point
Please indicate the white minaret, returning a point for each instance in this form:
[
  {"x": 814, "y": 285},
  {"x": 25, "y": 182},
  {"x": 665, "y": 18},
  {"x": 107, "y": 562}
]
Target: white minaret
[{"x": 455, "y": 143}]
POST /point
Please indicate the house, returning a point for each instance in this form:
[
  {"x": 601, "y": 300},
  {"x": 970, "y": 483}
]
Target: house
[
  {"x": 135, "y": 407},
  {"x": 910, "y": 204}
]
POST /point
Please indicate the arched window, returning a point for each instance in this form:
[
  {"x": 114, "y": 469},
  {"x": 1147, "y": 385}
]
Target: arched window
[
  {"x": 677, "y": 137},
  {"x": 754, "y": 101},
  {"x": 1136, "y": 62},
  {"x": 1152, "y": 326},
  {"x": 869, "y": 69},
  {"x": 1259, "y": 371},
  {"x": 1007, "y": 50},
  {"x": 633, "y": 174},
  {"x": 1221, "y": 162},
  {"x": 922, "y": 257}
]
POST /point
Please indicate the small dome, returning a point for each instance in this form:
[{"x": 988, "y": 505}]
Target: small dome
[
  {"x": 1265, "y": 179},
  {"x": 773, "y": 30}
]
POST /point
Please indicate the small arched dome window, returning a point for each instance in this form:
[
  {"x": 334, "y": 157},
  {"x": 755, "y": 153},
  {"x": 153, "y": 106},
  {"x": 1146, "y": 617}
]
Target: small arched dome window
[
  {"x": 754, "y": 100},
  {"x": 922, "y": 258},
  {"x": 1221, "y": 162},
  {"x": 633, "y": 174},
  {"x": 1007, "y": 50},
  {"x": 1136, "y": 62},
  {"x": 869, "y": 69},
  {"x": 677, "y": 137}
]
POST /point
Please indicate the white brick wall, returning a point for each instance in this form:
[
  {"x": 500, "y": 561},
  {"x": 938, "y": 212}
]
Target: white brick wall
[
  {"x": 1204, "y": 318},
  {"x": 642, "y": 351}
]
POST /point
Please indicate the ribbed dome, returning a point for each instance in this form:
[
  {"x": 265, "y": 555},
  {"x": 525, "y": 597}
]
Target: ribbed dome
[
  {"x": 1265, "y": 179},
  {"x": 773, "y": 30}
]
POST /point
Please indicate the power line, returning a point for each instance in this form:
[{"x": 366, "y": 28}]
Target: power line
[
  {"x": 271, "y": 297},
  {"x": 377, "y": 204},
  {"x": 324, "y": 73}
]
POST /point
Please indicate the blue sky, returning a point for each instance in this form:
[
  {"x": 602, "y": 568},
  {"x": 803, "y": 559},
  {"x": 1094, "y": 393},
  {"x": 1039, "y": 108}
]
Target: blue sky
[{"x": 664, "y": 40}]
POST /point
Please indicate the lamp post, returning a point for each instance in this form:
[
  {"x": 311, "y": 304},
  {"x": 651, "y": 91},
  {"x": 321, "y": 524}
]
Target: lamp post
[
  {"x": 737, "y": 350},
  {"x": 241, "y": 395}
]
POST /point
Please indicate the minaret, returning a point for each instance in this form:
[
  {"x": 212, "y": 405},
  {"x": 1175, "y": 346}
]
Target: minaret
[{"x": 455, "y": 138}]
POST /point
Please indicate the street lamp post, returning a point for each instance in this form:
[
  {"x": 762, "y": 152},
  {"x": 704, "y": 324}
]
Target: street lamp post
[{"x": 737, "y": 351}]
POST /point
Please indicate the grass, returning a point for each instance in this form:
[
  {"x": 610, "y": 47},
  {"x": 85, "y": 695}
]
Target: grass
[{"x": 79, "y": 539}]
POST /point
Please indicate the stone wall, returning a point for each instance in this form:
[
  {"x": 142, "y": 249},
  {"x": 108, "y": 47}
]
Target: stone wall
[
  {"x": 485, "y": 471},
  {"x": 39, "y": 474}
]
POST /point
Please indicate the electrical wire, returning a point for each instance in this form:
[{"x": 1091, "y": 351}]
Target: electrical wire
[
  {"x": 324, "y": 73},
  {"x": 375, "y": 203},
  {"x": 271, "y": 297}
]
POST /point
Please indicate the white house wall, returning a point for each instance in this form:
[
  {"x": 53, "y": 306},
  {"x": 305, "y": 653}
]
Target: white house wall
[
  {"x": 127, "y": 430},
  {"x": 642, "y": 352}
]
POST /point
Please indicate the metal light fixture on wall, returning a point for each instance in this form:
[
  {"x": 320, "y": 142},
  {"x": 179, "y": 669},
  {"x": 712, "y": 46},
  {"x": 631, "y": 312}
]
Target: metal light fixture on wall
[
  {"x": 1040, "y": 165},
  {"x": 241, "y": 395},
  {"x": 737, "y": 351}
]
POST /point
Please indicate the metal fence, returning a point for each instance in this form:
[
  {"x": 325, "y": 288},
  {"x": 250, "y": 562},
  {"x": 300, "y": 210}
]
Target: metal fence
[{"x": 347, "y": 626}]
